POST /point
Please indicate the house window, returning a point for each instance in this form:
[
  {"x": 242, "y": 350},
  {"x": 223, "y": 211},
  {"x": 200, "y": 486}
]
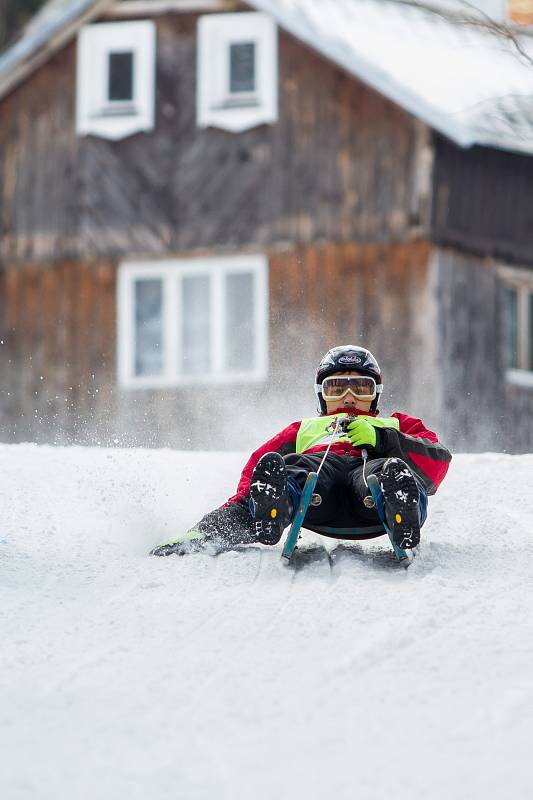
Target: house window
[
  {"x": 193, "y": 320},
  {"x": 115, "y": 79},
  {"x": 242, "y": 69},
  {"x": 237, "y": 71},
  {"x": 120, "y": 82},
  {"x": 530, "y": 332},
  {"x": 518, "y": 319},
  {"x": 196, "y": 324},
  {"x": 148, "y": 326},
  {"x": 511, "y": 328}
]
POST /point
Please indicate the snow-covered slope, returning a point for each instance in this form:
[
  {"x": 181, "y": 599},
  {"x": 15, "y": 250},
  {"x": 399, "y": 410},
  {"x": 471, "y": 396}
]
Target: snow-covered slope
[{"x": 236, "y": 677}]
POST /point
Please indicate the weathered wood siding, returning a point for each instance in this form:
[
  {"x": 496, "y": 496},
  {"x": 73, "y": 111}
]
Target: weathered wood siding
[
  {"x": 374, "y": 295},
  {"x": 483, "y": 201},
  {"x": 337, "y": 166},
  {"x": 480, "y": 411},
  {"x": 57, "y": 357},
  {"x": 58, "y": 327},
  {"x": 39, "y": 172},
  {"x": 518, "y": 419},
  {"x": 330, "y": 192}
]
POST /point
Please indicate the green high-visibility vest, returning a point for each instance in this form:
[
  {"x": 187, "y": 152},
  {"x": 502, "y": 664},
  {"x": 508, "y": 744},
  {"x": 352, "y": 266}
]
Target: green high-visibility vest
[{"x": 319, "y": 430}]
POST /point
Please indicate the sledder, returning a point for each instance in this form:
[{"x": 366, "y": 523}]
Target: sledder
[{"x": 406, "y": 458}]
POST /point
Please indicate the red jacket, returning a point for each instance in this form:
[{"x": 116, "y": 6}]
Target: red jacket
[{"x": 414, "y": 443}]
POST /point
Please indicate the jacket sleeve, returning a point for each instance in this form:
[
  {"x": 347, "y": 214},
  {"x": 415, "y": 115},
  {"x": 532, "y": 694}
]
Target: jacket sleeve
[
  {"x": 418, "y": 447},
  {"x": 283, "y": 443}
]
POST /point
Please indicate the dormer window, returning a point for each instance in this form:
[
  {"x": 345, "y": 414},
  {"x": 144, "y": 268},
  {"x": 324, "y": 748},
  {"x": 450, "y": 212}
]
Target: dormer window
[
  {"x": 237, "y": 70},
  {"x": 115, "y": 79},
  {"x": 120, "y": 77},
  {"x": 242, "y": 82}
]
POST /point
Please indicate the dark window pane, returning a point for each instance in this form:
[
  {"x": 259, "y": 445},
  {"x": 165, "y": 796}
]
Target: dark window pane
[
  {"x": 242, "y": 67},
  {"x": 120, "y": 76},
  {"x": 240, "y": 330},
  {"x": 530, "y": 337},
  {"x": 511, "y": 328},
  {"x": 196, "y": 325},
  {"x": 148, "y": 327}
]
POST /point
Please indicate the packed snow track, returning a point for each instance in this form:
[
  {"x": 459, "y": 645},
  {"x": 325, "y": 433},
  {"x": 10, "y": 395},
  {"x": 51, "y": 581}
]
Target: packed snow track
[{"x": 237, "y": 677}]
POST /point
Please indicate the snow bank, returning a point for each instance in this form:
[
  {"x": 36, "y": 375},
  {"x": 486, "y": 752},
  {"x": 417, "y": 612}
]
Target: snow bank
[{"x": 238, "y": 677}]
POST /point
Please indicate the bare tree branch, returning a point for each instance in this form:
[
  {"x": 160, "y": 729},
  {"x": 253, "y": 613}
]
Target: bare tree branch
[{"x": 474, "y": 17}]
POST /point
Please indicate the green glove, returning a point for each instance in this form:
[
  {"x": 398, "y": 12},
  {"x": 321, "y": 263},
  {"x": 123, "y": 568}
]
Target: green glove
[
  {"x": 180, "y": 544},
  {"x": 362, "y": 431}
]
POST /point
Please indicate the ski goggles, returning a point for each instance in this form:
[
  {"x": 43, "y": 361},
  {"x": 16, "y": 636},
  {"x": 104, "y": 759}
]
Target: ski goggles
[{"x": 362, "y": 387}]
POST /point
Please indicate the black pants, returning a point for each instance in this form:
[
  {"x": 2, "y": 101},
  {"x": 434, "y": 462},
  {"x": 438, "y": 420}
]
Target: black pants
[{"x": 341, "y": 487}]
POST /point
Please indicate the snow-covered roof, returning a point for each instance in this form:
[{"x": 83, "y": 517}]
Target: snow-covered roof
[
  {"x": 472, "y": 85},
  {"x": 461, "y": 79}
]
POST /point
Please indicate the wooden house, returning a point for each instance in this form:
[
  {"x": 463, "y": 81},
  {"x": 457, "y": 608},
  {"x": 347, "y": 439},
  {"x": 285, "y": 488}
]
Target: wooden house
[{"x": 199, "y": 197}]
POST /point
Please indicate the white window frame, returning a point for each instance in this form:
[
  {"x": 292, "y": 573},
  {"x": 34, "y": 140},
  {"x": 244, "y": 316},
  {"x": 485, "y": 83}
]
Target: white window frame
[
  {"x": 215, "y": 104},
  {"x": 95, "y": 113},
  {"x": 171, "y": 272},
  {"x": 521, "y": 280}
]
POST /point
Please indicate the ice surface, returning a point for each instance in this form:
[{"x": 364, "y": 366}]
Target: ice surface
[{"x": 236, "y": 677}]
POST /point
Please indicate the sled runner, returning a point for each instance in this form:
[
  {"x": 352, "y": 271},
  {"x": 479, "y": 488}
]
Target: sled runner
[{"x": 404, "y": 556}]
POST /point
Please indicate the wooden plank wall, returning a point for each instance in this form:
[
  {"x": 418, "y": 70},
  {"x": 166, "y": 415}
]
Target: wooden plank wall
[
  {"x": 479, "y": 410},
  {"x": 57, "y": 357},
  {"x": 377, "y": 296},
  {"x": 482, "y": 201},
  {"x": 518, "y": 421},
  {"x": 437, "y": 331},
  {"x": 58, "y": 325},
  {"x": 39, "y": 201},
  {"x": 338, "y": 166}
]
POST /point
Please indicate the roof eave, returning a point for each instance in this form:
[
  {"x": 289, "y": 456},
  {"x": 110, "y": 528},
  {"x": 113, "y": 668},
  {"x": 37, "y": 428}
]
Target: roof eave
[
  {"x": 523, "y": 146},
  {"x": 30, "y": 53}
]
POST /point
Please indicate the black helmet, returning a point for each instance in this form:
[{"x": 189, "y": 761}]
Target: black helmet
[{"x": 347, "y": 358}]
